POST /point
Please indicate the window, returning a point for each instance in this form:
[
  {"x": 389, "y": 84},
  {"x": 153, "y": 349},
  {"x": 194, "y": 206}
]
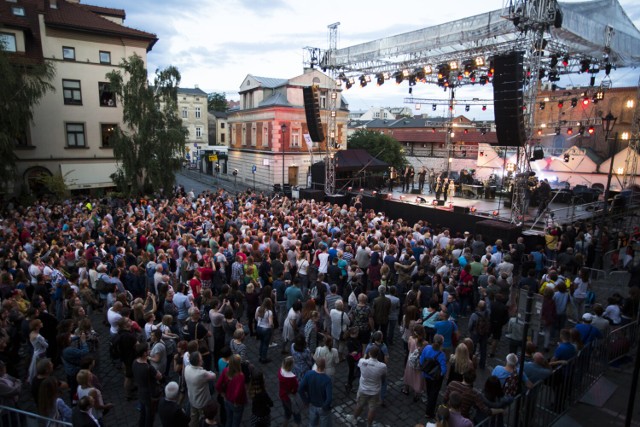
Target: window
[
  {"x": 8, "y": 41},
  {"x": 107, "y": 130},
  {"x": 323, "y": 100},
  {"x": 72, "y": 92},
  {"x": 253, "y": 135},
  {"x": 295, "y": 137},
  {"x": 107, "y": 96},
  {"x": 198, "y": 113},
  {"x": 75, "y": 135},
  {"x": 68, "y": 53},
  {"x": 105, "y": 57},
  {"x": 222, "y": 125},
  {"x": 222, "y": 137},
  {"x": 265, "y": 134},
  {"x": 18, "y": 11},
  {"x": 244, "y": 134},
  {"x": 198, "y": 132},
  {"x": 185, "y": 113}
]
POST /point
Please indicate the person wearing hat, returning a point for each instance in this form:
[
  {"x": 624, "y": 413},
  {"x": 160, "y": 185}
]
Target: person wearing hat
[{"x": 588, "y": 332}]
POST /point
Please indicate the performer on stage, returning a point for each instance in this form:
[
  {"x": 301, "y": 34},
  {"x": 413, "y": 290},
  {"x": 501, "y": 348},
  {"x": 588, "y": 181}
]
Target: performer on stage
[
  {"x": 432, "y": 181},
  {"x": 445, "y": 188},
  {"x": 393, "y": 175},
  {"x": 451, "y": 190},
  {"x": 438, "y": 189},
  {"x": 405, "y": 179},
  {"x": 421, "y": 178}
]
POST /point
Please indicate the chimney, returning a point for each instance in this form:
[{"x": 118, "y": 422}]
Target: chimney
[{"x": 196, "y": 86}]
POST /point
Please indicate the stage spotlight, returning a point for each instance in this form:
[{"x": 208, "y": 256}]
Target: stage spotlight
[
  {"x": 567, "y": 158},
  {"x": 473, "y": 209},
  {"x": 539, "y": 132},
  {"x": 554, "y": 61},
  {"x": 584, "y": 65},
  {"x": 491, "y": 69},
  {"x": 607, "y": 69},
  {"x": 542, "y": 105},
  {"x": 434, "y": 107},
  {"x": 479, "y": 61},
  {"x": 484, "y": 108},
  {"x": 467, "y": 107},
  {"x": 565, "y": 61},
  {"x": 483, "y": 80},
  {"x": 472, "y": 78},
  {"x": 380, "y": 79},
  {"x": 569, "y": 131},
  {"x": 585, "y": 101},
  {"x": 434, "y": 202},
  {"x": 362, "y": 190},
  {"x": 558, "y": 130},
  {"x": 599, "y": 95},
  {"x": 428, "y": 69},
  {"x": 574, "y": 102},
  {"x": 402, "y": 197},
  {"x": 560, "y": 104},
  {"x": 420, "y": 200},
  {"x": 367, "y": 77},
  {"x": 581, "y": 130},
  {"x": 418, "y": 106},
  {"x": 538, "y": 153},
  {"x": 591, "y": 130},
  {"x": 468, "y": 68},
  {"x": 453, "y": 65},
  {"x": 363, "y": 81},
  {"x": 495, "y": 213},
  {"x": 466, "y": 131},
  {"x": 374, "y": 193},
  {"x": 405, "y": 73},
  {"x": 348, "y": 84}
]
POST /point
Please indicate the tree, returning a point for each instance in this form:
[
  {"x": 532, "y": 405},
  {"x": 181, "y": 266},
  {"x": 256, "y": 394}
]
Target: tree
[
  {"x": 149, "y": 150},
  {"x": 21, "y": 88},
  {"x": 217, "y": 102},
  {"x": 378, "y": 145}
]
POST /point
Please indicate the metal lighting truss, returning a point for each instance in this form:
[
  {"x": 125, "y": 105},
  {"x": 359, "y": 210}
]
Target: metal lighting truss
[
  {"x": 332, "y": 127},
  {"x": 631, "y": 162}
]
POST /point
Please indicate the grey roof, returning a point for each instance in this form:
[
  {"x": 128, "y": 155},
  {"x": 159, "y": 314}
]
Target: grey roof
[
  {"x": 192, "y": 91},
  {"x": 344, "y": 105},
  {"x": 276, "y": 99},
  {"x": 381, "y": 123},
  {"x": 219, "y": 114},
  {"x": 593, "y": 156},
  {"x": 270, "y": 82}
]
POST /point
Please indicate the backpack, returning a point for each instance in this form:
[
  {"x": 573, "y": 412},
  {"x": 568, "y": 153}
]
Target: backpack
[
  {"x": 510, "y": 386},
  {"x": 483, "y": 327},
  {"x": 414, "y": 359},
  {"x": 102, "y": 286},
  {"x": 431, "y": 367}
]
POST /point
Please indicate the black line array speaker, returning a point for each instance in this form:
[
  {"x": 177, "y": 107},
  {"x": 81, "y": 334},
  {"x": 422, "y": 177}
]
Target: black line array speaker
[
  {"x": 312, "y": 111},
  {"x": 508, "y": 81}
]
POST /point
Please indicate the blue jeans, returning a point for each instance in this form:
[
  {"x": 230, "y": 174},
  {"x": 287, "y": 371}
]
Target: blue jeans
[
  {"x": 233, "y": 413},
  {"x": 265, "y": 337},
  {"x": 319, "y": 416}
]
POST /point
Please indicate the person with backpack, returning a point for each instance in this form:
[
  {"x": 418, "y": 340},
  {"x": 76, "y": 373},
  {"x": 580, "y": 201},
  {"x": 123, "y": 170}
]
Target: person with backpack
[
  {"x": 508, "y": 376},
  {"x": 434, "y": 368},
  {"x": 480, "y": 329}
]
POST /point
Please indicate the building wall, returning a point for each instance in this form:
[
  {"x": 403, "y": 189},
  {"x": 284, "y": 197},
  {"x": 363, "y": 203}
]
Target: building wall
[
  {"x": 191, "y": 103},
  {"x": 47, "y": 141}
]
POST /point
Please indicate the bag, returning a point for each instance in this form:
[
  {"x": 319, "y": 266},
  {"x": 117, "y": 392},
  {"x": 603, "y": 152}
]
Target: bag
[
  {"x": 510, "y": 386},
  {"x": 414, "y": 359},
  {"x": 102, "y": 286},
  {"x": 483, "y": 326},
  {"x": 431, "y": 367}
]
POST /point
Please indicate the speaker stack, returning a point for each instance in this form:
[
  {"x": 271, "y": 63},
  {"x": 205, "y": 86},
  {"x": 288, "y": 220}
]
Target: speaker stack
[
  {"x": 508, "y": 81},
  {"x": 312, "y": 111}
]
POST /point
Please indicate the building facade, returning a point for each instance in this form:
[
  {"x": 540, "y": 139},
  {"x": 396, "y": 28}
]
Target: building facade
[
  {"x": 269, "y": 135},
  {"x": 192, "y": 108},
  {"x": 71, "y": 128}
]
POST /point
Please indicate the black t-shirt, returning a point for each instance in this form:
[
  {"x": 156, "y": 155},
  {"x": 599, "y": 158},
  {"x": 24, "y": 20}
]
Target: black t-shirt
[
  {"x": 198, "y": 334},
  {"x": 144, "y": 376}
]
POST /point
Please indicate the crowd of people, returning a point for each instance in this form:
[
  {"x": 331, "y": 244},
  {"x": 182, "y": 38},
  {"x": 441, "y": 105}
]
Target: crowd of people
[{"x": 182, "y": 283}]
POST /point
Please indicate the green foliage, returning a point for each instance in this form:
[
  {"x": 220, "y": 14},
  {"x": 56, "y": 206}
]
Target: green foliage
[
  {"x": 149, "y": 149},
  {"x": 378, "y": 145},
  {"x": 55, "y": 184},
  {"x": 21, "y": 88},
  {"x": 217, "y": 102}
]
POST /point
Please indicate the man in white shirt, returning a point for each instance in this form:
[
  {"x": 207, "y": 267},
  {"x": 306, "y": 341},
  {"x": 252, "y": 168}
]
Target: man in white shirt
[
  {"x": 113, "y": 316},
  {"x": 197, "y": 380},
  {"x": 372, "y": 372}
]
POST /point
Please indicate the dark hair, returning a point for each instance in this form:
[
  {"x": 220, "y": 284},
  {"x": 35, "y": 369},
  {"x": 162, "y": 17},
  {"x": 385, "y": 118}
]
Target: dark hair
[
  {"x": 299, "y": 343},
  {"x": 225, "y": 352},
  {"x": 493, "y": 389},
  {"x": 210, "y": 410},
  {"x": 141, "y": 348}
]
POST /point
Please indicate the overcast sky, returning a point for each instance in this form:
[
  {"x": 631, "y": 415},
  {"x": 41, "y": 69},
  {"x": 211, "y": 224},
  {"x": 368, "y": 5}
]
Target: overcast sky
[{"x": 216, "y": 43}]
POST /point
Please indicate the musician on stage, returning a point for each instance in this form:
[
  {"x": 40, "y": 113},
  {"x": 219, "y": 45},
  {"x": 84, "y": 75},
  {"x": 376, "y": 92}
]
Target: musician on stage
[
  {"x": 393, "y": 175},
  {"x": 421, "y": 178},
  {"x": 438, "y": 188},
  {"x": 432, "y": 181},
  {"x": 406, "y": 177},
  {"x": 445, "y": 188},
  {"x": 544, "y": 195},
  {"x": 451, "y": 189}
]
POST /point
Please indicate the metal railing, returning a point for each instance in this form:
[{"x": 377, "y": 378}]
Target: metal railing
[
  {"x": 14, "y": 417},
  {"x": 548, "y": 400}
]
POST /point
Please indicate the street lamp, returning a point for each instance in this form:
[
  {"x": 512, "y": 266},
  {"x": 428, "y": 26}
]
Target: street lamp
[
  {"x": 608, "y": 122},
  {"x": 283, "y": 128}
]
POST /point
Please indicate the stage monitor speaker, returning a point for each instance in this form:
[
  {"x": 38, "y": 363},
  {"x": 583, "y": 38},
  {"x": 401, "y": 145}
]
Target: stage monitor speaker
[
  {"x": 440, "y": 202},
  {"x": 312, "y": 111},
  {"x": 508, "y": 81},
  {"x": 461, "y": 209},
  {"x": 415, "y": 191}
]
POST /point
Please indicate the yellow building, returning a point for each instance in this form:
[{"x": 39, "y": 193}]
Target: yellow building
[{"x": 71, "y": 128}]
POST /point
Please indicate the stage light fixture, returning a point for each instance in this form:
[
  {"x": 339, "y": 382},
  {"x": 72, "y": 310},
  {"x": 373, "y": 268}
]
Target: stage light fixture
[
  {"x": 401, "y": 197},
  {"x": 473, "y": 209},
  {"x": 362, "y": 190},
  {"x": 574, "y": 102},
  {"x": 472, "y": 77},
  {"x": 380, "y": 79},
  {"x": 484, "y": 108},
  {"x": 581, "y": 130},
  {"x": 539, "y": 132},
  {"x": 541, "y": 73},
  {"x": 479, "y": 61},
  {"x": 483, "y": 80},
  {"x": 584, "y": 65},
  {"x": 405, "y": 73},
  {"x": 418, "y": 106},
  {"x": 560, "y": 104},
  {"x": 495, "y": 213},
  {"x": 600, "y": 95},
  {"x": 434, "y": 202},
  {"x": 338, "y": 82},
  {"x": 468, "y": 68},
  {"x": 434, "y": 107},
  {"x": 467, "y": 107},
  {"x": 542, "y": 105},
  {"x": 591, "y": 130},
  {"x": 554, "y": 61},
  {"x": 569, "y": 131},
  {"x": 538, "y": 153},
  {"x": 466, "y": 131},
  {"x": 511, "y": 167},
  {"x": 453, "y": 65},
  {"x": 399, "y": 77},
  {"x": 374, "y": 193},
  {"x": 349, "y": 188},
  {"x": 386, "y": 75},
  {"x": 491, "y": 69},
  {"x": 558, "y": 130},
  {"x": 363, "y": 81},
  {"x": 592, "y": 81},
  {"x": 607, "y": 69},
  {"x": 352, "y": 80},
  {"x": 567, "y": 157},
  {"x": 565, "y": 61},
  {"x": 348, "y": 84},
  {"x": 483, "y": 131},
  {"x": 367, "y": 77},
  {"x": 585, "y": 101},
  {"x": 427, "y": 69}
]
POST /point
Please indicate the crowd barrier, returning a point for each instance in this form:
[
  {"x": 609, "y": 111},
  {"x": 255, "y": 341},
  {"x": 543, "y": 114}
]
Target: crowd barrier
[
  {"x": 13, "y": 417},
  {"x": 548, "y": 400}
]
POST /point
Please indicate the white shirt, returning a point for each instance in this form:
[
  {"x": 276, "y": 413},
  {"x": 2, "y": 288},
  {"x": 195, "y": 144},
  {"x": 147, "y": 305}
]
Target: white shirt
[
  {"x": 113, "y": 318},
  {"x": 264, "y": 321},
  {"x": 324, "y": 262}
]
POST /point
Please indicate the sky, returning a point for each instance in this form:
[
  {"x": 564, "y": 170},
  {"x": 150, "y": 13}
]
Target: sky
[{"x": 216, "y": 43}]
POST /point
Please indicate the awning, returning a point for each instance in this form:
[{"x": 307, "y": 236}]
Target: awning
[{"x": 79, "y": 176}]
